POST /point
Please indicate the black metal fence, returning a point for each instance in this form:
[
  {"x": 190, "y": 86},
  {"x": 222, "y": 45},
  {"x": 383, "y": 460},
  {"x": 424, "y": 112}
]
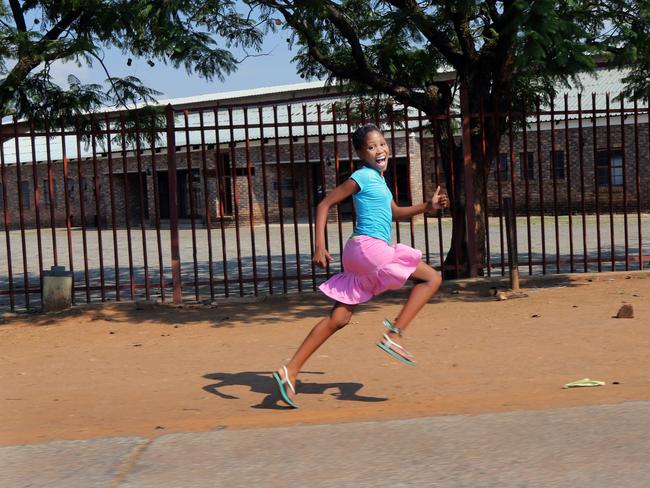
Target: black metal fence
[{"x": 220, "y": 201}]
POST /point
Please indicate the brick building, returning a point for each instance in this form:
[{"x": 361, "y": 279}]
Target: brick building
[{"x": 243, "y": 152}]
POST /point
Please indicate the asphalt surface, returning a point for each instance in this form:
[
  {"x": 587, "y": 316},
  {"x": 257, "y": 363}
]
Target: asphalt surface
[{"x": 596, "y": 446}]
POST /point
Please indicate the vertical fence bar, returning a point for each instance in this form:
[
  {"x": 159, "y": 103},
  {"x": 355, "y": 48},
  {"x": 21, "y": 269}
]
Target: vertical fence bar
[
  {"x": 582, "y": 183},
  {"x": 594, "y": 126},
  {"x": 554, "y": 173},
  {"x": 450, "y": 155},
  {"x": 468, "y": 166},
  {"x": 511, "y": 213},
  {"x": 610, "y": 191},
  {"x": 624, "y": 164},
  {"x": 7, "y": 224},
  {"x": 436, "y": 173},
  {"x": 280, "y": 204},
  {"x": 540, "y": 177},
  {"x": 82, "y": 207},
  {"x": 424, "y": 186},
  {"x": 310, "y": 199},
  {"x": 350, "y": 155},
  {"x": 391, "y": 119},
  {"x": 408, "y": 170},
  {"x": 127, "y": 212},
  {"x": 21, "y": 216},
  {"x": 293, "y": 195},
  {"x": 98, "y": 214},
  {"x": 321, "y": 156},
  {"x": 189, "y": 179},
  {"x": 37, "y": 199},
  {"x": 66, "y": 198},
  {"x": 111, "y": 192},
  {"x": 497, "y": 174},
  {"x": 526, "y": 176},
  {"x": 638, "y": 181},
  {"x": 486, "y": 173},
  {"x": 567, "y": 165},
  {"x": 138, "y": 155},
  {"x": 156, "y": 206},
  {"x": 173, "y": 205},
  {"x": 377, "y": 114},
  {"x": 337, "y": 183},
  {"x": 206, "y": 204},
  {"x": 251, "y": 210},
  {"x": 265, "y": 190},
  {"x": 233, "y": 174},
  {"x": 221, "y": 192},
  {"x": 52, "y": 196}
]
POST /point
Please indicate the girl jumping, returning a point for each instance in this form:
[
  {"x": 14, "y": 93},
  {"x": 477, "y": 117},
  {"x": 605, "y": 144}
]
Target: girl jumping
[{"x": 371, "y": 265}]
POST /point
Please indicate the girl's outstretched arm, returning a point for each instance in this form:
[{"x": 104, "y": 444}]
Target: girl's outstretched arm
[
  {"x": 340, "y": 193},
  {"x": 437, "y": 202}
]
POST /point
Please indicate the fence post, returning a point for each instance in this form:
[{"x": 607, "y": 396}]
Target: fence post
[
  {"x": 173, "y": 205},
  {"x": 470, "y": 213},
  {"x": 511, "y": 236}
]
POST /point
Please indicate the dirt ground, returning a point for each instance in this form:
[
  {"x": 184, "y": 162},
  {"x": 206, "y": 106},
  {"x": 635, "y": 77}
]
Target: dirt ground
[{"x": 113, "y": 370}]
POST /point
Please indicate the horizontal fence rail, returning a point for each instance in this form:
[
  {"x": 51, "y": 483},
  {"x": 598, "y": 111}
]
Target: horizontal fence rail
[{"x": 221, "y": 201}]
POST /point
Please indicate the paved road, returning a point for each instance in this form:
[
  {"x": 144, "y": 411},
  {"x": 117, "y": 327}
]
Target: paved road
[{"x": 598, "y": 446}]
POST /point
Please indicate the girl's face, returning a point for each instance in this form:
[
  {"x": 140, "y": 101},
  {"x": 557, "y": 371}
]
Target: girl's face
[{"x": 374, "y": 152}]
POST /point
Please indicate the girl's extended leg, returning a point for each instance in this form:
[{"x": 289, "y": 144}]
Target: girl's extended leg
[
  {"x": 429, "y": 282},
  {"x": 338, "y": 318}
]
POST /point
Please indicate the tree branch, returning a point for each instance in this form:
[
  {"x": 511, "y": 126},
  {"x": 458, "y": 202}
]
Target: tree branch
[
  {"x": 428, "y": 28},
  {"x": 61, "y": 26},
  {"x": 461, "y": 27},
  {"x": 18, "y": 15},
  {"x": 27, "y": 62},
  {"x": 110, "y": 79}
]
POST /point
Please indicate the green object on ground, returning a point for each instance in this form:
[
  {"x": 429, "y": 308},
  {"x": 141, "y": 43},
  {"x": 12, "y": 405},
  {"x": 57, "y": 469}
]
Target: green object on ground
[{"x": 584, "y": 382}]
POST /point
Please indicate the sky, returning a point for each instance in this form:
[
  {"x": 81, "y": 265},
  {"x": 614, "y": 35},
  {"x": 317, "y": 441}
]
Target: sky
[{"x": 275, "y": 68}]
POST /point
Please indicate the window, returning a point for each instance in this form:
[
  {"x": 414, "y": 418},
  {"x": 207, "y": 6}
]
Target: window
[
  {"x": 287, "y": 192},
  {"x": 557, "y": 165},
  {"x": 24, "y": 190},
  {"x": 46, "y": 192},
  {"x": 502, "y": 167},
  {"x": 70, "y": 186},
  {"x": 527, "y": 165},
  {"x": 400, "y": 173},
  {"x": 603, "y": 166}
]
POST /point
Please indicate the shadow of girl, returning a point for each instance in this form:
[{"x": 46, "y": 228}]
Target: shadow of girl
[{"x": 262, "y": 382}]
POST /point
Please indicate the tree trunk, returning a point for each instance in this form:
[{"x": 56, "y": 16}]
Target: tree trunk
[{"x": 457, "y": 264}]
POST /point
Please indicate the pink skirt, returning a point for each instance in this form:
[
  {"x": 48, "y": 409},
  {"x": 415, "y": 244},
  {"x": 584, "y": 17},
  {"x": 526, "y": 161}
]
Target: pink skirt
[{"x": 371, "y": 266}]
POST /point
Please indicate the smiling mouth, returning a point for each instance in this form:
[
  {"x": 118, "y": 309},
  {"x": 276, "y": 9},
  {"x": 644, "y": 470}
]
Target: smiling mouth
[{"x": 381, "y": 159}]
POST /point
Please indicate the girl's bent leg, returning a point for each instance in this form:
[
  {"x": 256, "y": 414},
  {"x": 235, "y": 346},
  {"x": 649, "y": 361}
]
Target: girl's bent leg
[
  {"x": 338, "y": 318},
  {"x": 429, "y": 282}
]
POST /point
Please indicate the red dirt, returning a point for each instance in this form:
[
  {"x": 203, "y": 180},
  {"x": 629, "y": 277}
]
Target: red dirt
[{"x": 113, "y": 370}]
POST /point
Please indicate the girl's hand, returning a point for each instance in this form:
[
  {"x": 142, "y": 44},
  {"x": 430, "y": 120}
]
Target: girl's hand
[
  {"x": 321, "y": 257},
  {"x": 438, "y": 201}
]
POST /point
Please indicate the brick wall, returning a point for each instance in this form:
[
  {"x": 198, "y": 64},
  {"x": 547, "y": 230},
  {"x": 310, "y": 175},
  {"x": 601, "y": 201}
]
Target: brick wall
[{"x": 289, "y": 168}]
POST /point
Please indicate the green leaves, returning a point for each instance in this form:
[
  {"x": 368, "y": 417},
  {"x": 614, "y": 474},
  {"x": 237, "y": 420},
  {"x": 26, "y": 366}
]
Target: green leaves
[
  {"x": 503, "y": 50},
  {"x": 191, "y": 34}
]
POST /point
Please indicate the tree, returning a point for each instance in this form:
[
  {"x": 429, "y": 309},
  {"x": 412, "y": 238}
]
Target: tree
[
  {"x": 504, "y": 53},
  {"x": 183, "y": 33}
]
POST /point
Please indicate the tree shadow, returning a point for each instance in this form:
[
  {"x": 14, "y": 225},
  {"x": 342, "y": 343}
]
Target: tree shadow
[
  {"x": 274, "y": 309},
  {"x": 262, "y": 382}
]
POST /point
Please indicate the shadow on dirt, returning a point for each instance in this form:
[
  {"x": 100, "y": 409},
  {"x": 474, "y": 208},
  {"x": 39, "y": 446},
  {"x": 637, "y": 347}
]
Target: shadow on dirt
[
  {"x": 262, "y": 382},
  {"x": 273, "y": 309}
]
